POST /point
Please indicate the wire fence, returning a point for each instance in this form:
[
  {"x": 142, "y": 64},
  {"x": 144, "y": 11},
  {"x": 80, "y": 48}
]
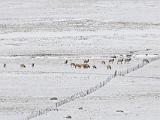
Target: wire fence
[{"x": 86, "y": 92}]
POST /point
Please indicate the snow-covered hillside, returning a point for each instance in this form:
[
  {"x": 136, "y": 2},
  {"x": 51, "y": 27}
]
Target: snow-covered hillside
[
  {"x": 92, "y": 27},
  {"x": 46, "y": 33},
  {"x": 131, "y": 97}
]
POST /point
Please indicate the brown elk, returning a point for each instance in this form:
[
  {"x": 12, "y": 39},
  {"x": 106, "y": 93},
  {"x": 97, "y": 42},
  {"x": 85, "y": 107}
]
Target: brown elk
[
  {"x": 73, "y": 64},
  {"x": 78, "y": 65},
  {"x": 85, "y": 66},
  {"x": 111, "y": 60}
]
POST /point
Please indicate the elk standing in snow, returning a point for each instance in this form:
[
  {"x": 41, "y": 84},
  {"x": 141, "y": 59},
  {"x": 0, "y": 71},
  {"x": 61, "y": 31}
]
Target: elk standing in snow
[
  {"x": 85, "y": 66},
  {"x": 86, "y": 61},
  {"x": 127, "y": 60},
  {"x": 94, "y": 67},
  {"x": 73, "y": 64},
  {"x": 32, "y": 64},
  {"x": 22, "y": 65},
  {"x": 4, "y": 65},
  {"x": 111, "y": 60},
  {"x": 66, "y": 61},
  {"x": 120, "y": 61},
  {"x": 145, "y": 61},
  {"x": 103, "y": 62},
  {"x": 109, "y": 67},
  {"x": 68, "y": 117}
]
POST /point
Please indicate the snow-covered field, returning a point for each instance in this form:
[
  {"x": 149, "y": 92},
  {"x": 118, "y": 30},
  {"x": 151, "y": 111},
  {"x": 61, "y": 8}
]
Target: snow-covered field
[
  {"x": 47, "y": 32},
  {"x": 134, "y": 96},
  {"x": 78, "y": 27}
]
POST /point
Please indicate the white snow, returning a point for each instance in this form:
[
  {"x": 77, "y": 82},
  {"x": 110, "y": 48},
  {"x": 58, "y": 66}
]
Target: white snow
[
  {"x": 137, "y": 95},
  {"x": 47, "y": 32}
]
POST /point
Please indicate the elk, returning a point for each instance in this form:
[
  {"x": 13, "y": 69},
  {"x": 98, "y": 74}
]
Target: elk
[
  {"x": 32, "y": 64},
  {"x": 68, "y": 117},
  {"x": 120, "y": 61},
  {"x": 66, "y": 61},
  {"x": 94, "y": 67},
  {"x": 115, "y": 73},
  {"x": 103, "y": 62},
  {"x": 73, "y": 64},
  {"x": 22, "y": 65},
  {"x": 145, "y": 61},
  {"x": 4, "y": 65},
  {"x": 129, "y": 56},
  {"x": 80, "y": 108},
  {"x": 85, "y": 66},
  {"x": 54, "y": 98},
  {"x": 86, "y": 61},
  {"x": 78, "y": 65},
  {"x": 127, "y": 60},
  {"x": 111, "y": 60},
  {"x": 109, "y": 67},
  {"x": 113, "y": 56}
]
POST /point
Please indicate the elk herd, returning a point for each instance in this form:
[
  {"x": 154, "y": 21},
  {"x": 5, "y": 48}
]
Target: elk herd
[
  {"x": 113, "y": 59},
  {"x": 87, "y": 63}
]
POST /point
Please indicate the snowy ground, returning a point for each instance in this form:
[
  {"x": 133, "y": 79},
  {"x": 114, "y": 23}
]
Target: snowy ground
[
  {"x": 132, "y": 97},
  {"x": 47, "y": 32},
  {"x": 77, "y": 27}
]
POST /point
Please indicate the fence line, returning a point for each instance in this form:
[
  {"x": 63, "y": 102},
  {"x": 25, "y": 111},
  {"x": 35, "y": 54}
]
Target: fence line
[{"x": 84, "y": 93}]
